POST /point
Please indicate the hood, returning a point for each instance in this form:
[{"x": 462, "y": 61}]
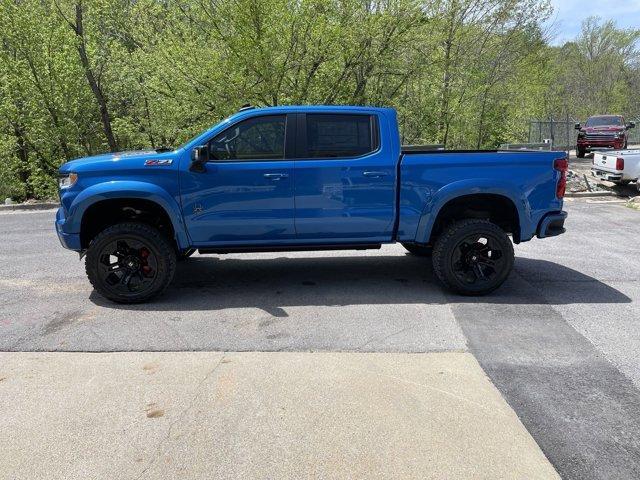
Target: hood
[{"x": 113, "y": 159}]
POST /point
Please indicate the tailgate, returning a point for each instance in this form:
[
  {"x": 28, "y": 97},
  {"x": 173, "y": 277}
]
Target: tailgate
[{"x": 606, "y": 161}]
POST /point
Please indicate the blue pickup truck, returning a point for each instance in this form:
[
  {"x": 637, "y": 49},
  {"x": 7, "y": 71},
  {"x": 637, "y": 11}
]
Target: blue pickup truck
[{"x": 305, "y": 178}]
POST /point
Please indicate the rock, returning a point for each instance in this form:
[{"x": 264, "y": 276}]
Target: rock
[{"x": 8, "y": 201}]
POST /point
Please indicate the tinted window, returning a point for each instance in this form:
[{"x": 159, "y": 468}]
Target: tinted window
[
  {"x": 604, "y": 121},
  {"x": 336, "y": 135},
  {"x": 257, "y": 138}
]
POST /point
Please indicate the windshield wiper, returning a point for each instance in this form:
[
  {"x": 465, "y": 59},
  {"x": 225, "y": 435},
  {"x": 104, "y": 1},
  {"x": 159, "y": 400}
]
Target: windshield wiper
[{"x": 164, "y": 149}]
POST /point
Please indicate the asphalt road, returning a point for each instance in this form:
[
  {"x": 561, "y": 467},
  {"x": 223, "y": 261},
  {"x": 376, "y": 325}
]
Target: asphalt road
[{"x": 559, "y": 340}]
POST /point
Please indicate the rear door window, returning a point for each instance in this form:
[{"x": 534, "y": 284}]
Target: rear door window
[{"x": 340, "y": 135}]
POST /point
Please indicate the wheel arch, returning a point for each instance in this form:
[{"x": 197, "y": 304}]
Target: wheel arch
[
  {"x": 482, "y": 200},
  {"x": 101, "y": 204}
]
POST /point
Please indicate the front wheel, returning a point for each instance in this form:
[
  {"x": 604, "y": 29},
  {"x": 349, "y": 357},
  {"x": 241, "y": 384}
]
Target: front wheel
[
  {"x": 130, "y": 262},
  {"x": 473, "y": 257},
  {"x": 580, "y": 152}
]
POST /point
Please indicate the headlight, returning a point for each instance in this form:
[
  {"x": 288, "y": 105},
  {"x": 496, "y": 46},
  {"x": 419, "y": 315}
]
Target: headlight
[{"x": 68, "y": 180}]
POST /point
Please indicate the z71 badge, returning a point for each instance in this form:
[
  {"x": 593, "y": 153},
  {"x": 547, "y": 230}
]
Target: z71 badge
[{"x": 157, "y": 162}]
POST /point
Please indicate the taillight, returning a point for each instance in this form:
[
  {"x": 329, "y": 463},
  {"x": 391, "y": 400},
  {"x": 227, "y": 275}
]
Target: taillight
[
  {"x": 562, "y": 165},
  {"x": 619, "y": 163}
]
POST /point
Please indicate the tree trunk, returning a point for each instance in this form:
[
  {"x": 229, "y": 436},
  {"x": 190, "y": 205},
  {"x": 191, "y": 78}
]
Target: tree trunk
[
  {"x": 23, "y": 155},
  {"x": 443, "y": 121},
  {"x": 95, "y": 88}
]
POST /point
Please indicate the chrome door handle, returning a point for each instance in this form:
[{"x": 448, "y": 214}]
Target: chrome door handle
[
  {"x": 276, "y": 176},
  {"x": 375, "y": 174}
]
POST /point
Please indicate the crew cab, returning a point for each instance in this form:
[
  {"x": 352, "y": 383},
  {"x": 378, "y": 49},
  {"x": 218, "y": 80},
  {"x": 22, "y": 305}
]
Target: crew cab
[
  {"x": 602, "y": 132},
  {"x": 617, "y": 166},
  {"x": 305, "y": 178}
]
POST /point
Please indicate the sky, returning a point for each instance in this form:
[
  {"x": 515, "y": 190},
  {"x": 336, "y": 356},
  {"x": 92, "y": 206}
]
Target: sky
[{"x": 568, "y": 15}]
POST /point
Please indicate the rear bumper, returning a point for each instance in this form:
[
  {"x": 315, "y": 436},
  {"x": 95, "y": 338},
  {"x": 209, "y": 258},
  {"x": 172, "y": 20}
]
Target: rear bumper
[
  {"x": 551, "y": 225},
  {"x": 67, "y": 240},
  {"x": 604, "y": 175}
]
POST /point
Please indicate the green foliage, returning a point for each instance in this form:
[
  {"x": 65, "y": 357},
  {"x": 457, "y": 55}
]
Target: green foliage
[
  {"x": 599, "y": 72},
  {"x": 80, "y": 77}
]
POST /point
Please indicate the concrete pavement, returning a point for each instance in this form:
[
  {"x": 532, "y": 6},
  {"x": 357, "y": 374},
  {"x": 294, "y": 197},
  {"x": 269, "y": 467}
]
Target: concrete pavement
[{"x": 258, "y": 415}]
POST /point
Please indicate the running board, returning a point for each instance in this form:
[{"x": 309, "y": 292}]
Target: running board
[{"x": 289, "y": 248}]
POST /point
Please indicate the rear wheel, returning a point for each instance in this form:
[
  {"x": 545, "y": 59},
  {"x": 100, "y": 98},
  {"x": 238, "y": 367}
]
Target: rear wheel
[
  {"x": 580, "y": 152},
  {"x": 130, "y": 262},
  {"x": 418, "y": 250},
  {"x": 473, "y": 257}
]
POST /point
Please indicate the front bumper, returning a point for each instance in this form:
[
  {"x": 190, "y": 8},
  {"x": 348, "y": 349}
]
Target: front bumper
[
  {"x": 67, "y": 240},
  {"x": 552, "y": 224},
  {"x": 589, "y": 146}
]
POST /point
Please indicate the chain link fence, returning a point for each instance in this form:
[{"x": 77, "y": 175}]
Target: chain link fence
[
  {"x": 634, "y": 133},
  {"x": 561, "y": 134}
]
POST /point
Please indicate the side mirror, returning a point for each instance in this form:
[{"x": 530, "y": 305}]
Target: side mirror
[
  {"x": 199, "y": 157},
  {"x": 577, "y": 126},
  {"x": 631, "y": 125}
]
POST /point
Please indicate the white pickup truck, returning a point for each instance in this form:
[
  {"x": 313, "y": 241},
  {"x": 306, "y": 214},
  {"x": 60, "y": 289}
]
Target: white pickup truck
[{"x": 618, "y": 166}]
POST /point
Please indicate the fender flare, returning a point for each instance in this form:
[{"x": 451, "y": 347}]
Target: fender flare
[
  {"x": 463, "y": 188},
  {"x": 129, "y": 189}
]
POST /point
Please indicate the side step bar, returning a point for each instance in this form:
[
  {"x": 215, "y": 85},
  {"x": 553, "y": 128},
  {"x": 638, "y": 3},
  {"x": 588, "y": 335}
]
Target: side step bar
[{"x": 289, "y": 248}]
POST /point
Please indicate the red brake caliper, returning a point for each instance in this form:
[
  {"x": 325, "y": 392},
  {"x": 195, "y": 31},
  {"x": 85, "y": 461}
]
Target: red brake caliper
[{"x": 144, "y": 254}]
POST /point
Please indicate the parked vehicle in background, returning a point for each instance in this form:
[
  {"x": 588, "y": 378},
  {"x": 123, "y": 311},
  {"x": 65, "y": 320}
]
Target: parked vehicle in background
[
  {"x": 305, "y": 178},
  {"x": 602, "y": 131},
  {"x": 618, "y": 166}
]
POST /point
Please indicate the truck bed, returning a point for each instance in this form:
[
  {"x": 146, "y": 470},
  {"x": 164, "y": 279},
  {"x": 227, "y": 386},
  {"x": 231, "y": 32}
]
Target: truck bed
[{"x": 429, "y": 179}]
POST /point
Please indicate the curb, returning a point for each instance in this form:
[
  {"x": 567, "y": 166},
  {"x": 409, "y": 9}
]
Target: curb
[
  {"x": 591, "y": 194},
  {"x": 29, "y": 206}
]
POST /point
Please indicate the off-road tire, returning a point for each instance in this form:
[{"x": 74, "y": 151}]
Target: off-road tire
[
  {"x": 153, "y": 239},
  {"x": 418, "y": 250},
  {"x": 451, "y": 238}
]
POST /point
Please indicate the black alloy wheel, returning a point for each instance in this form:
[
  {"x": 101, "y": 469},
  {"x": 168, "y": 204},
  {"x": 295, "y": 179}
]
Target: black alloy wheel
[
  {"x": 473, "y": 257},
  {"x": 130, "y": 262},
  {"x": 128, "y": 266}
]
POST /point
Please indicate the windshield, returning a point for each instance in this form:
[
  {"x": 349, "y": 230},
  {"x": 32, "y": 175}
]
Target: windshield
[
  {"x": 193, "y": 138},
  {"x": 604, "y": 121}
]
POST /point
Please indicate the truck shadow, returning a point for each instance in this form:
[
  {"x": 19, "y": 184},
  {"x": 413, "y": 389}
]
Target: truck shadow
[{"x": 270, "y": 284}]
